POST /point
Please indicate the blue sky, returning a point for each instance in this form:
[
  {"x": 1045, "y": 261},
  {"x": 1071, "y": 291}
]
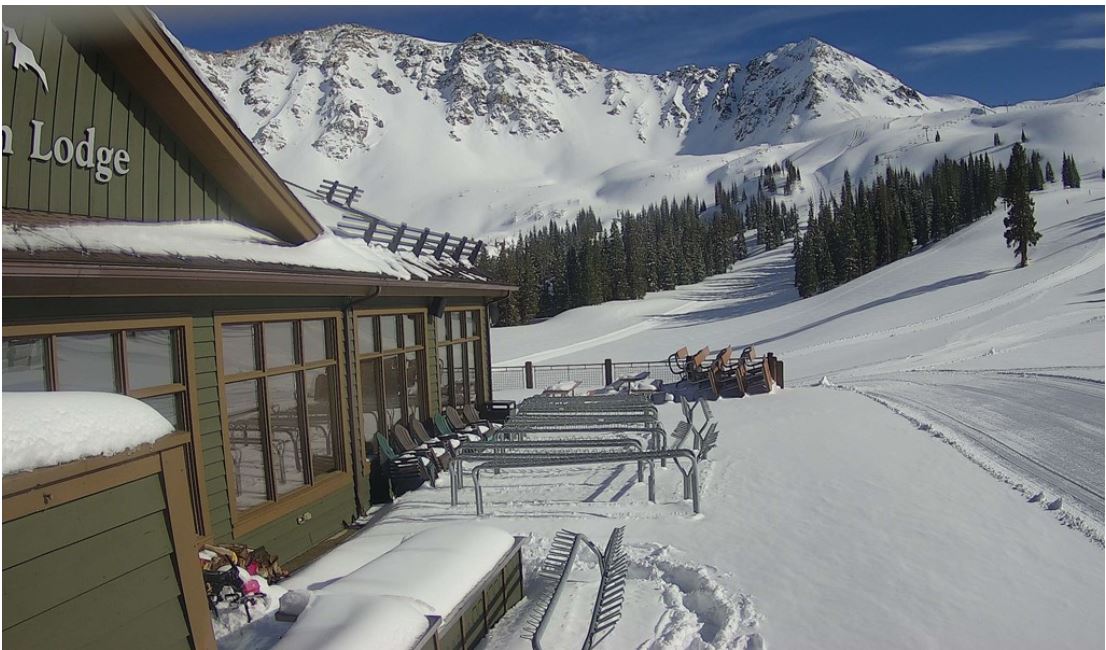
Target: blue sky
[{"x": 994, "y": 54}]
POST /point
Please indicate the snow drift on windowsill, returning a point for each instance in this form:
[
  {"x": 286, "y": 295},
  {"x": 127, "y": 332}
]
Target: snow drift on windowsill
[{"x": 45, "y": 429}]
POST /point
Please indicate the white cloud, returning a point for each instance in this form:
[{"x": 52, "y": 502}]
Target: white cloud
[
  {"x": 1089, "y": 43},
  {"x": 971, "y": 44}
]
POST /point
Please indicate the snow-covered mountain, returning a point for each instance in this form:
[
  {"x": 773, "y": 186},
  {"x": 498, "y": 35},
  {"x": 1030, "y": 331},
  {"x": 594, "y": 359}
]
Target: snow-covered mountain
[{"x": 490, "y": 137}]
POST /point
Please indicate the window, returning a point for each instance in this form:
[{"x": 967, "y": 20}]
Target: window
[
  {"x": 144, "y": 359},
  {"x": 391, "y": 352},
  {"x": 460, "y": 357},
  {"x": 144, "y": 363},
  {"x": 280, "y": 392}
]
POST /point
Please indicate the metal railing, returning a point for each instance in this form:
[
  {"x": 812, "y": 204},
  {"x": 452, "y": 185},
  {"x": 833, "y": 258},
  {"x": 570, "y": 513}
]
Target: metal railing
[{"x": 590, "y": 375}]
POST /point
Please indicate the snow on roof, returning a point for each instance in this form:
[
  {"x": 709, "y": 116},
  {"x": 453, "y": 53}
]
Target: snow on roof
[
  {"x": 227, "y": 240},
  {"x": 352, "y": 621},
  {"x": 45, "y": 429}
]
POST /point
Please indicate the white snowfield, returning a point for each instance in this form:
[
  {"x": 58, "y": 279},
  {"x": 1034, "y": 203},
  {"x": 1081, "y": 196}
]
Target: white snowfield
[
  {"x": 44, "y": 429},
  {"x": 1005, "y": 363}
]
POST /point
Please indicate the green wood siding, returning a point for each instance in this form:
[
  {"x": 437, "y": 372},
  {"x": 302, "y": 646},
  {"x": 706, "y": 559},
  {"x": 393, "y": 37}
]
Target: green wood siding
[
  {"x": 95, "y": 572},
  {"x": 287, "y": 538},
  {"x": 165, "y": 183}
]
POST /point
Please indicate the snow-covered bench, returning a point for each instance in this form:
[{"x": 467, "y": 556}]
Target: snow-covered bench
[{"x": 440, "y": 588}]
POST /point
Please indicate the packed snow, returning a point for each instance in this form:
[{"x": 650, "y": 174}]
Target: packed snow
[{"x": 50, "y": 428}]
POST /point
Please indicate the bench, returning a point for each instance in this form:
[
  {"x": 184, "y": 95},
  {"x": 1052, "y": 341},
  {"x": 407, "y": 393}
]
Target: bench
[{"x": 562, "y": 389}]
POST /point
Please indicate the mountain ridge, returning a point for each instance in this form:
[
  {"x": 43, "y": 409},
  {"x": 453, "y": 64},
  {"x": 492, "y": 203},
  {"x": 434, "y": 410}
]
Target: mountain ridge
[{"x": 492, "y": 136}]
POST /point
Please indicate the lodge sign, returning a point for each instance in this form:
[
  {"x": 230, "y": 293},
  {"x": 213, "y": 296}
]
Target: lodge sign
[{"x": 106, "y": 161}]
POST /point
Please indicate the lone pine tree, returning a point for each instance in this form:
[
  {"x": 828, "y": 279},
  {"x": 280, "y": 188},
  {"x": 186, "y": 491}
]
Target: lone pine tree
[{"x": 1021, "y": 226}]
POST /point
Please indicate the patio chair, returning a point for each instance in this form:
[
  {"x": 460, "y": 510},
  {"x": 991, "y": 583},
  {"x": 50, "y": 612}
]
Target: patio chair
[
  {"x": 421, "y": 435},
  {"x": 458, "y": 423},
  {"x": 403, "y": 469},
  {"x": 472, "y": 418},
  {"x": 444, "y": 430},
  {"x": 441, "y": 455},
  {"x": 697, "y": 367},
  {"x": 677, "y": 362}
]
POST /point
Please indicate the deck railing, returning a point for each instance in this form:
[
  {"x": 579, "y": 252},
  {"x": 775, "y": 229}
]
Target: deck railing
[{"x": 590, "y": 375}]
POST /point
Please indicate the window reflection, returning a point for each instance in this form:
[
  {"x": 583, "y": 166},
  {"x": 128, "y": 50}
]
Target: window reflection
[
  {"x": 410, "y": 325},
  {"x": 413, "y": 372},
  {"x": 151, "y": 358},
  {"x": 393, "y": 391},
  {"x": 25, "y": 364},
  {"x": 317, "y": 343},
  {"x": 366, "y": 334},
  {"x": 86, "y": 362},
  {"x": 370, "y": 403},
  {"x": 287, "y": 438},
  {"x": 280, "y": 345},
  {"x": 389, "y": 339},
  {"x": 239, "y": 349},
  {"x": 169, "y": 406},
  {"x": 322, "y": 442},
  {"x": 246, "y": 443}
]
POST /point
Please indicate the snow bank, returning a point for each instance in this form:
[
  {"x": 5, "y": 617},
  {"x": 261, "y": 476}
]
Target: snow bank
[
  {"x": 44, "y": 429},
  {"x": 333, "y": 622},
  {"x": 438, "y": 566}
]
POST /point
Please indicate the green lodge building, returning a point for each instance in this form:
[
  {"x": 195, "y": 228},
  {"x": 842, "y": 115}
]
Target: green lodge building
[{"x": 150, "y": 251}]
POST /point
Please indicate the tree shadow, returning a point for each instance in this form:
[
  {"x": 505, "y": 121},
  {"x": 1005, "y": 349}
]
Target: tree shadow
[{"x": 902, "y": 295}]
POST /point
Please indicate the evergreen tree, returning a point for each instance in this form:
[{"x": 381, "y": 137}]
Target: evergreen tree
[
  {"x": 1073, "y": 172},
  {"x": 938, "y": 137},
  {"x": 1050, "y": 176},
  {"x": 1024, "y": 139},
  {"x": 1021, "y": 226},
  {"x": 1036, "y": 175},
  {"x": 997, "y": 141}
]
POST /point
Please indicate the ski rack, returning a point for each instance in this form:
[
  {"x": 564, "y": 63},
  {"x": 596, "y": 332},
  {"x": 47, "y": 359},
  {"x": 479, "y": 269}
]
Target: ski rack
[{"x": 554, "y": 571}]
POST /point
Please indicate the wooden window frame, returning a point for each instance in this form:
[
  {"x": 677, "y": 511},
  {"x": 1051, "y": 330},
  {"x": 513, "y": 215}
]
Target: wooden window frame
[
  {"x": 481, "y": 341},
  {"x": 244, "y": 521},
  {"x": 186, "y": 355},
  {"x": 422, "y": 326}
]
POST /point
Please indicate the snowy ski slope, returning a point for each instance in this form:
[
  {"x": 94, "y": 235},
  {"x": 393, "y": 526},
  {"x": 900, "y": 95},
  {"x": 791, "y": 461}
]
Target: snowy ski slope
[{"x": 1005, "y": 363}]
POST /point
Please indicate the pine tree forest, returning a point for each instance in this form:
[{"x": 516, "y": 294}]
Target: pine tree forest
[{"x": 680, "y": 241}]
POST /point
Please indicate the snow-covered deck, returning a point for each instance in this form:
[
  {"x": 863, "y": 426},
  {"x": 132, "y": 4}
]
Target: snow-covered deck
[{"x": 829, "y": 522}]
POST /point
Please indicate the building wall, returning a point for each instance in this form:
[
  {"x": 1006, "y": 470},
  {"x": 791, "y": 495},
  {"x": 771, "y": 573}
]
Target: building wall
[
  {"x": 290, "y": 535},
  {"x": 164, "y": 181},
  {"x": 98, "y": 571}
]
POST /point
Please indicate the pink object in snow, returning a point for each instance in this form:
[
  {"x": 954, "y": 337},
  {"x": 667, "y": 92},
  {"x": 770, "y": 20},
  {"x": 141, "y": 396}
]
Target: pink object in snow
[
  {"x": 251, "y": 568},
  {"x": 251, "y": 587}
]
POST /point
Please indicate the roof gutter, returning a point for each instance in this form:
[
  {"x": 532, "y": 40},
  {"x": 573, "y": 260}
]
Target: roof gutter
[{"x": 54, "y": 278}]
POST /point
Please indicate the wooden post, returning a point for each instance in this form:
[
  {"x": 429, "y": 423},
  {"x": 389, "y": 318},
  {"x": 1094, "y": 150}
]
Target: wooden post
[
  {"x": 529, "y": 374},
  {"x": 776, "y": 366},
  {"x": 608, "y": 371}
]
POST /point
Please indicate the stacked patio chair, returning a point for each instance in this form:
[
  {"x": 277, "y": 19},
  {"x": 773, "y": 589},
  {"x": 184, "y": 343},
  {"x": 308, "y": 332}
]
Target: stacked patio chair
[
  {"x": 405, "y": 471},
  {"x": 441, "y": 454}
]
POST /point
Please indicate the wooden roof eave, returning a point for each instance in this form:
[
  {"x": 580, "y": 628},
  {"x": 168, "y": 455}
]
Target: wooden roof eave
[
  {"x": 56, "y": 279},
  {"x": 139, "y": 48}
]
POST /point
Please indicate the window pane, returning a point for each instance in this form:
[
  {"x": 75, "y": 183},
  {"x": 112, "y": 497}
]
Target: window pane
[
  {"x": 393, "y": 391},
  {"x": 410, "y": 327},
  {"x": 473, "y": 364},
  {"x": 388, "y": 336},
  {"x": 443, "y": 375},
  {"x": 170, "y": 408},
  {"x": 321, "y": 430},
  {"x": 280, "y": 345},
  {"x": 86, "y": 362},
  {"x": 151, "y": 358},
  {"x": 25, "y": 364},
  {"x": 470, "y": 324},
  {"x": 366, "y": 335},
  {"x": 246, "y": 447},
  {"x": 370, "y": 404},
  {"x": 457, "y": 374},
  {"x": 318, "y": 340},
  {"x": 286, "y": 435},
  {"x": 455, "y": 325},
  {"x": 239, "y": 349},
  {"x": 414, "y": 374}
]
